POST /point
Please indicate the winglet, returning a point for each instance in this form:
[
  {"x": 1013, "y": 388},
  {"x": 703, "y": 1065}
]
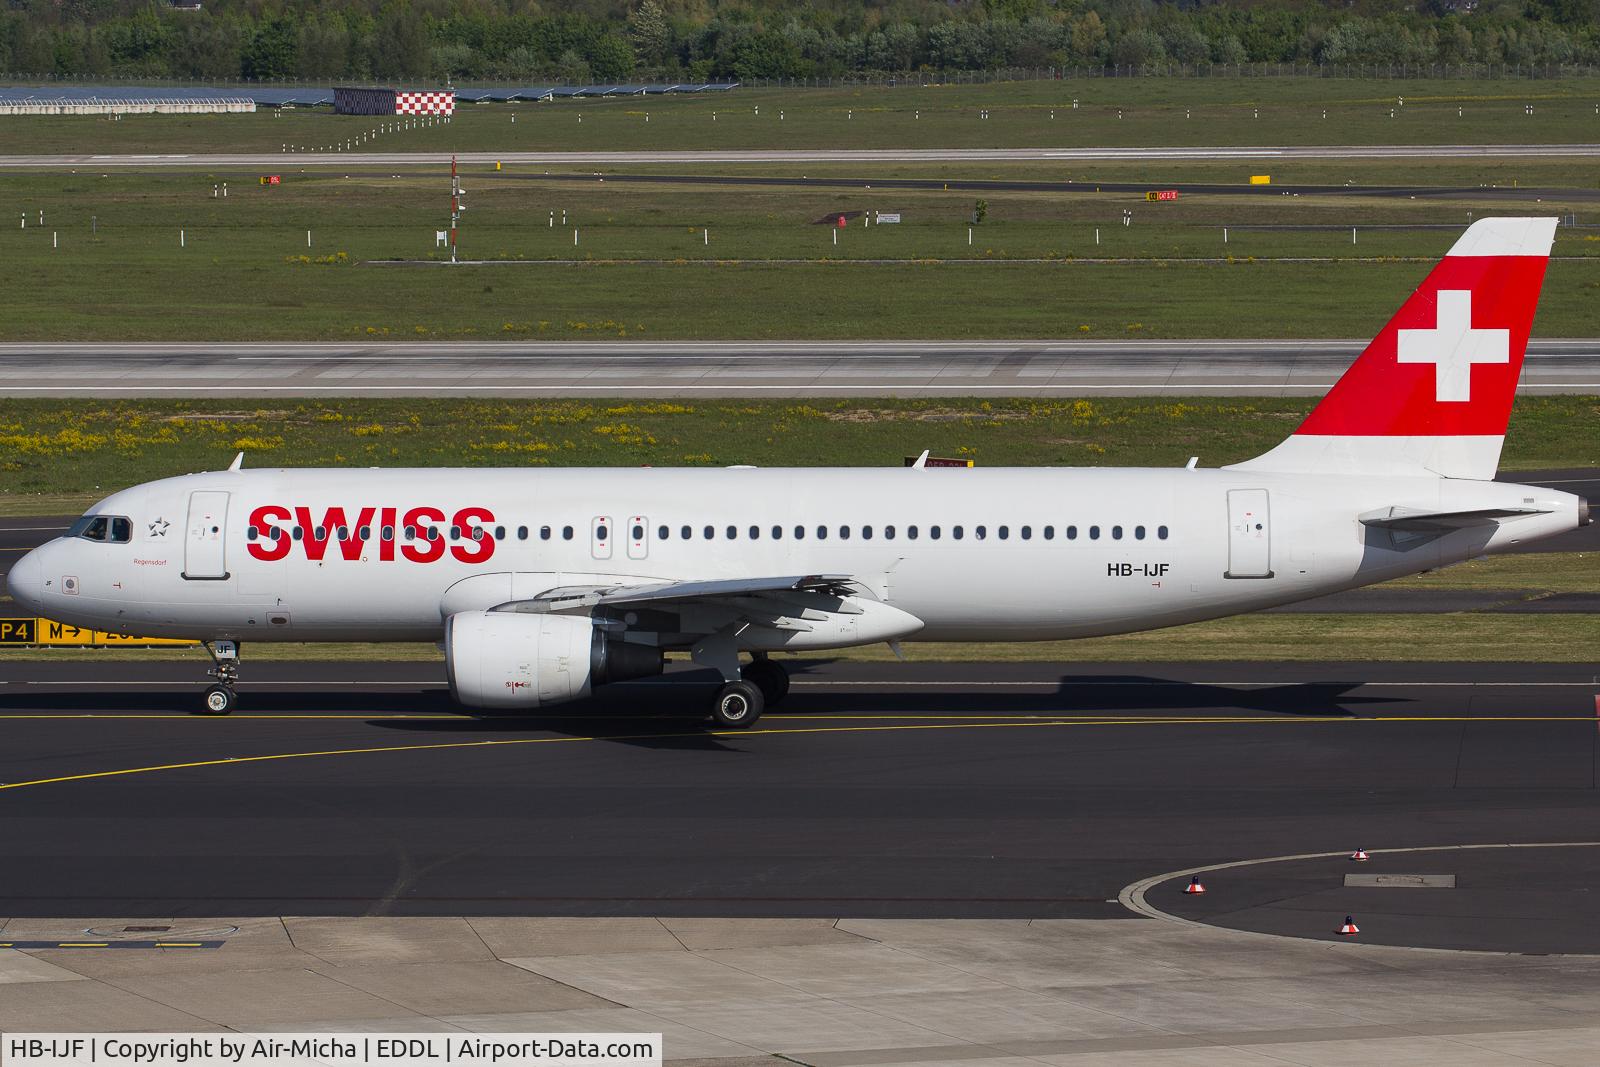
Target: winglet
[
  {"x": 922, "y": 460},
  {"x": 238, "y": 462}
]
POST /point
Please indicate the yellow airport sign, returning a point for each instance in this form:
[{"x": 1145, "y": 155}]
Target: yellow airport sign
[
  {"x": 37, "y": 632},
  {"x": 1260, "y": 179},
  {"x": 19, "y": 631}
]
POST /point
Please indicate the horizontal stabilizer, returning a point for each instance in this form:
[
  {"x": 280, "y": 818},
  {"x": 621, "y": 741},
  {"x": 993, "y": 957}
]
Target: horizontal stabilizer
[{"x": 1403, "y": 518}]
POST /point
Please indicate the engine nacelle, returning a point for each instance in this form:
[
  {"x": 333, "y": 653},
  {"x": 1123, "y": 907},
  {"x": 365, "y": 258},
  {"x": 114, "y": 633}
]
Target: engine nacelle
[{"x": 503, "y": 659}]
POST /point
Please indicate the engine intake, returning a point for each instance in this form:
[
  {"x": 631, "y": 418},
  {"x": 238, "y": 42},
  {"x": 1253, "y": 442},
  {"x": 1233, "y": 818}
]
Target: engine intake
[{"x": 500, "y": 659}]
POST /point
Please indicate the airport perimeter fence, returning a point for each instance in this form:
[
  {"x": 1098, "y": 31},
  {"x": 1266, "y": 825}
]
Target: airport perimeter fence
[{"x": 924, "y": 78}]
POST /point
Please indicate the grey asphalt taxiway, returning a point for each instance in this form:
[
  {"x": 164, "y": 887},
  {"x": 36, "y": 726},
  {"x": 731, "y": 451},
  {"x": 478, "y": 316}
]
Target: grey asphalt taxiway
[
  {"x": 908, "y": 864},
  {"x": 726, "y": 368},
  {"x": 981, "y": 790}
]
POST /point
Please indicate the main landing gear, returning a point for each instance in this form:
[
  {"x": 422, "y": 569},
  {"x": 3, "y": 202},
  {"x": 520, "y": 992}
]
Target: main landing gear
[
  {"x": 762, "y": 683},
  {"x": 221, "y": 697}
]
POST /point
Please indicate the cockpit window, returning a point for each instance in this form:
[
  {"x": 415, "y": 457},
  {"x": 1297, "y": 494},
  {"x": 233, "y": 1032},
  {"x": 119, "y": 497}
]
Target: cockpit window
[{"x": 114, "y": 528}]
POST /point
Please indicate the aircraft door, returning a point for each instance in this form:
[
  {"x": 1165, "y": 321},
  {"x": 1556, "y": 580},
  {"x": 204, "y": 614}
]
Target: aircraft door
[
  {"x": 638, "y": 537},
  {"x": 600, "y": 534},
  {"x": 1249, "y": 534},
  {"x": 205, "y": 536}
]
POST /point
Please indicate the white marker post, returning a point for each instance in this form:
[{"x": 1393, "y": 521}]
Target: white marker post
[
  {"x": 706, "y": 234},
  {"x": 53, "y": 239},
  {"x": 969, "y": 236},
  {"x": 180, "y": 239},
  {"x": 574, "y": 237},
  {"x": 1224, "y": 235},
  {"x": 308, "y": 238}
]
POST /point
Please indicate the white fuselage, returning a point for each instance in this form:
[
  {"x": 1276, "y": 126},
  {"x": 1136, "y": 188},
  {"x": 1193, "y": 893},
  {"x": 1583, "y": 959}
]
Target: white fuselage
[{"x": 1003, "y": 554}]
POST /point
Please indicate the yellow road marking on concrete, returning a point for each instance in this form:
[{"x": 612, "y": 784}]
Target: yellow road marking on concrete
[
  {"x": 83, "y": 944},
  {"x": 178, "y": 944},
  {"x": 1011, "y": 724}
]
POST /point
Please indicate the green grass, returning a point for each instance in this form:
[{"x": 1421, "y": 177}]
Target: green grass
[
  {"x": 1220, "y": 111},
  {"x": 60, "y": 455},
  {"x": 245, "y": 273}
]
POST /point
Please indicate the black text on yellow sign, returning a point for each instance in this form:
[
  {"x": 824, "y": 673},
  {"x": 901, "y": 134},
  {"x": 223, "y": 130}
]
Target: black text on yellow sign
[{"x": 48, "y": 632}]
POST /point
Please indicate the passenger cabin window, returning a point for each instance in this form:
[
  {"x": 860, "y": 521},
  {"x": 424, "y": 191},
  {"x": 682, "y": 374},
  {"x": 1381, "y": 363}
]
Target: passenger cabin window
[
  {"x": 755, "y": 533},
  {"x": 1072, "y": 533},
  {"x": 710, "y": 532},
  {"x": 777, "y": 532},
  {"x": 522, "y": 533},
  {"x": 1116, "y": 533},
  {"x": 957, "y": 532},
  {"x": 1161, "y": 532},
  {"x": 866, "y": 533},
  {"x": 822, "y": 533},
  {"x": 888, "y": 533},
  {"x": 1027, "y": 533},
  {"x": 1094, "y": 533},
  {"x": 799, "y": 533},
  {"x": 1138, "y": 533},
  {"x": 544, "y": 533},
  {"x": 980, "y": 532},
  {"x": 661, "y": 533},
  {"x": 1049, "y": 533},
  {"x": 566, "y": 533},
  {"x": 733, "y": 533}
]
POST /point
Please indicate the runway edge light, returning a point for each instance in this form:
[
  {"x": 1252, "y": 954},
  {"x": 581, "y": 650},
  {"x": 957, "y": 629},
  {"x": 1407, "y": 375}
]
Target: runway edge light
[
  {"x": 1360, "y": 855},
  {"x": 1194, "y": 888},
  {"x": 1349, "y": 929}
]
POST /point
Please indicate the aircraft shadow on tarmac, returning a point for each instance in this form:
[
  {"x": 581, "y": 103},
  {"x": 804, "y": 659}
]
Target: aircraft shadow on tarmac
[{"x": 671, "y": 712}]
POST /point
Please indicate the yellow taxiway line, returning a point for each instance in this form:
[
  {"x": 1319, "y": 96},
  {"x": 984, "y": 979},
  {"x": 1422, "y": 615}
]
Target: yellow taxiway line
[{"x": 902, "y": 727}]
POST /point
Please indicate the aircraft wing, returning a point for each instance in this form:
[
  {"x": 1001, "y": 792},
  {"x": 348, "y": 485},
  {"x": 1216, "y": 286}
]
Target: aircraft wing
[{"x": 567, "y": 598}]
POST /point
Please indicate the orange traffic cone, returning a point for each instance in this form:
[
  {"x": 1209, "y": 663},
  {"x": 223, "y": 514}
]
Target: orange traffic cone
[
  {"x": 1349, "y": 929},
  {"x": 1194, "y": 886},
  {"x": 1360, "y": 855}
]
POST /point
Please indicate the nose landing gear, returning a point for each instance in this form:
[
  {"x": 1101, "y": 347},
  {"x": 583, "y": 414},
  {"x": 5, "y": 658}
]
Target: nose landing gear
[{"x": 221, "y": 697}]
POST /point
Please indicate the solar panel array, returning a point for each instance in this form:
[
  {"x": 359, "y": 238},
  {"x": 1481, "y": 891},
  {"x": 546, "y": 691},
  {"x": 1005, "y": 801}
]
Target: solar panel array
[{"x": 279, "y": 96}]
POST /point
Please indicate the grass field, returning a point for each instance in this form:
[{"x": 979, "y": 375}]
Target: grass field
[
  {"x": 1121, "y": 112},
  {"x": 700, "y": 261},
  {"x": 59, "y": 455}
]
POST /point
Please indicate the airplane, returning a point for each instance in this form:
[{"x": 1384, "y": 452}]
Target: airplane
[{"x": 544, "y": 584}]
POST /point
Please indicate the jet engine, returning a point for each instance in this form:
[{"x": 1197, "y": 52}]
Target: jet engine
[{"x": 502, "y": 659}]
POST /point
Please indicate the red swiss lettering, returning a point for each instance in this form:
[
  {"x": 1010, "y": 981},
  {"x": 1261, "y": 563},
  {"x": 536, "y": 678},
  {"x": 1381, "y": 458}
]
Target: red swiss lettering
[
  {"x": 426, "y": 549},
  {"x": 469, "y": 550},
  {"x": 274, "y": 543}
]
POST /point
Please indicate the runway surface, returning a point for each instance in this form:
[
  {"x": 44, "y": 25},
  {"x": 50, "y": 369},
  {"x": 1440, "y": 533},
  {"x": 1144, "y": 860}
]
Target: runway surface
[
  {"x": 876, "y": 790},
  {"x": 812, "y": 155},
  {"x": 727, "y": 368}
]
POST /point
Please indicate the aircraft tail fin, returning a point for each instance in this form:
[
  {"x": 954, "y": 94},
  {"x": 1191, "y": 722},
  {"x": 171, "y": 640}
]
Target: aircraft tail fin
[{"x": 1432, "y": 393}]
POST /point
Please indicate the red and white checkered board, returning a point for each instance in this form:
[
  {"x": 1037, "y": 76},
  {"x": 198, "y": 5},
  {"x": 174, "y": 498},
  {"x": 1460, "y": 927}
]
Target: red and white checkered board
[{"x": 442, "y": 103}]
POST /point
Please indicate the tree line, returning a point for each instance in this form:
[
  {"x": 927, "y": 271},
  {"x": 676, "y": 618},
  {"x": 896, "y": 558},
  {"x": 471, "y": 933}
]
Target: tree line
[{"x": 584, "y": 41}]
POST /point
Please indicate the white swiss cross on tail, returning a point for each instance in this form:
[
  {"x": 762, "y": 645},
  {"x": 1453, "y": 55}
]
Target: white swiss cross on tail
[
  {"x": 1453, "y": 346},
  {"x": 1432, "y": 394}
]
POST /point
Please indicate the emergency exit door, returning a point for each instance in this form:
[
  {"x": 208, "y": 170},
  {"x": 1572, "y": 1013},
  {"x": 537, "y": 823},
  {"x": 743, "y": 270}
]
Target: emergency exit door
[
  {"x": 205, "y": 536},
  {"x": 1249, "y": 534}
]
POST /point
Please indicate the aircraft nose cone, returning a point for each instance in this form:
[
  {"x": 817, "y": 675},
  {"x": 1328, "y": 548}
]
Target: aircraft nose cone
[{"x": 25, "y": 582}]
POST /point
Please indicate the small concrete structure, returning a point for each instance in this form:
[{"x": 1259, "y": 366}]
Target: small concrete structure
[{"x": 352, "y": 100}]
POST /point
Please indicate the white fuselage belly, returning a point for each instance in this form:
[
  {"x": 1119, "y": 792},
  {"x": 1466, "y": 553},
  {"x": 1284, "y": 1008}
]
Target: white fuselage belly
[{"x": 992, "y": 588}]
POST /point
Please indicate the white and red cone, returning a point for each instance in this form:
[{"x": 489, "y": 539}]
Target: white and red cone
[
  {"x": 1360, "y": 855},
  {"x": 1349, "y": 929},
  {"x": 1194, "y": 887}
]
